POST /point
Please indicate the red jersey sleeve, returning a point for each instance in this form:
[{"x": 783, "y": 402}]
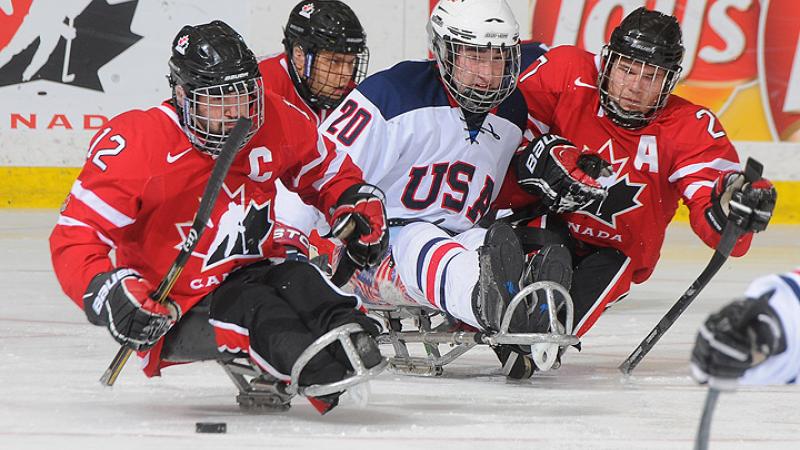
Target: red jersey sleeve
[
  {"x": 317, "y": 171},
  {"x": 706, "y": 153},
  {"x": 542, "y": 84},
  {"x": 103, "y": 201}
]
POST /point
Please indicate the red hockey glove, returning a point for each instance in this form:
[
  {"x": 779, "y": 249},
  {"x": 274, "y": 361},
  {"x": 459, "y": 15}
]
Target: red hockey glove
[
  {"x": 564, "y": 177},
  {"x": 361, "y": 206},
  {"x": 120, "y": 300},
  {"x": 748, "y": 205}
]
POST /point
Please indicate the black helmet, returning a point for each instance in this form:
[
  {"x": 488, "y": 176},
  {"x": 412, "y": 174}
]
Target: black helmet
[
  {"x": 212, "y": 67},
  {"x": 324, "y": 25},
  {"x": 649, "y": 38}
]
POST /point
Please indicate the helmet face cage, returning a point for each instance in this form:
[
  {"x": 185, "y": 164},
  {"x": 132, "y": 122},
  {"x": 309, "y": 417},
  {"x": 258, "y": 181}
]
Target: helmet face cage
[
  {"x": 651, "y": 83},
  {"x": 334, "y": 47},
  {"x": 328, "y": 76},
  {"x": 478, "y": 77},
  {"x": 209, "y": 113}
]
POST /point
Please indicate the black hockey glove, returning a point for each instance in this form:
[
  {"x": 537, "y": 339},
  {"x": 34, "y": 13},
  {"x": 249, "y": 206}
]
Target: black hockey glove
[
  {"x": 120, "y": 300},
  {"x": 748, "y": 205},
  {"x": 361, "y": 206},
  {"x": 735, "y": 339},
  {"x": 564, "y": 177}
]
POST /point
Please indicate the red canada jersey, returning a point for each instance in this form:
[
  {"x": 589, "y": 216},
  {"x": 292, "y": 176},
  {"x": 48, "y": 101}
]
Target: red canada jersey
[
  {"x": 141, "y": 185},
  {"x": 275, "y": 73},
  {"x": 677, "y": 156}
]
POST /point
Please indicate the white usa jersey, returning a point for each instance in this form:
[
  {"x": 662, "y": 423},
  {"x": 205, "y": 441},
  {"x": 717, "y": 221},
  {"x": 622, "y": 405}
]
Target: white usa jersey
[
  {"x": 411, "y": 140},
  {"x": 785, "y": 300}
]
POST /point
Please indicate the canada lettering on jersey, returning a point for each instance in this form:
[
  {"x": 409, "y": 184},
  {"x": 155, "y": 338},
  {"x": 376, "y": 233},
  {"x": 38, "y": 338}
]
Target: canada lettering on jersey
[
  {"x": 239, "y": 232},
  {"x": 582, "y": 230},
  {"x": 211, "y": 281}
]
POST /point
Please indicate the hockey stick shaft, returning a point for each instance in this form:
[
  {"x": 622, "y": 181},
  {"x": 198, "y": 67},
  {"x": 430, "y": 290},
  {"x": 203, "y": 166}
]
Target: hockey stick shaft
[
  {"x": 346, "y": 267},
  {"x": 704, "y": 430},
  {"x": 730, "y": 235},
  {"x": 207, "y": 201},
  {"x": 344, "y": 271},
  {"x": 67, "y": 77}
]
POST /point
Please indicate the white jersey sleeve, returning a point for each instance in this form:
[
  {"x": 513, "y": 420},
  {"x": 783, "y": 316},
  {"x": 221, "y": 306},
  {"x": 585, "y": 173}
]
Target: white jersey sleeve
[
  {"x": 358, "y": 127},
  {"x": 783, "y": 367},
  {"x": 293, "y": 212}
]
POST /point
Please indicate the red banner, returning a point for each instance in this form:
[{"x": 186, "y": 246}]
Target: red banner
[
  {"x": 721, "y": 65},
  {"x": 781, "y": 49}
]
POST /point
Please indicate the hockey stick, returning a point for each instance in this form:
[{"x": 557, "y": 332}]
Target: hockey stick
[
  {"x": 346, "y": 267},
  {"x": 207, "y": 201},
  {"x": 65, "y": 76},
  {"x": 731, "y": 234},
  {"x": 344, "y": 271},
  {"x": 704, "y": 430}
]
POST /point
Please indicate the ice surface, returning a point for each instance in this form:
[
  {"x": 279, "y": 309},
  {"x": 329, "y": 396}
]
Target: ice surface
[{"x": 51, "y": 359}]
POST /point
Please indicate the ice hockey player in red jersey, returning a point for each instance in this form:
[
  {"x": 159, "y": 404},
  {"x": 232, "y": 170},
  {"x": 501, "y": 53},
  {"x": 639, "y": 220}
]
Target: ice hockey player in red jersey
[
  {"x": 325, "y": 57},
  {"x": 661, "y": 149},
  {"x": 139, "y": 190}
]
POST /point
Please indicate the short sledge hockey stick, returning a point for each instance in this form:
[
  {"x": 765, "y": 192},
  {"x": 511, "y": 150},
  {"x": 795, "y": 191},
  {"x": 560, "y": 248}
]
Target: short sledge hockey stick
[
  {"x": 730, "y": 235},
  {"x": 346, "y": 267},
  {"x": 218, "y": 174}
]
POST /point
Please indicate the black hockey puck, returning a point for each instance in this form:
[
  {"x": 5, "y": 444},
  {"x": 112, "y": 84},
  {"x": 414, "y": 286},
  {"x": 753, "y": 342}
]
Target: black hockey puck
[{"x": 211, "y": 427}]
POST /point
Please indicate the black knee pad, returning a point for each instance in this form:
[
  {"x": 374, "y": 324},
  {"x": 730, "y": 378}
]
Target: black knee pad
[
  {"x": 316, "y": 300},
  {"x": 603, "y": 257},
  {"x": 592, "y": 276}
]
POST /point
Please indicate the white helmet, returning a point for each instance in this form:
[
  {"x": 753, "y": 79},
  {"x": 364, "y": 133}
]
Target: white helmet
[{"x": 470, "y": 39}]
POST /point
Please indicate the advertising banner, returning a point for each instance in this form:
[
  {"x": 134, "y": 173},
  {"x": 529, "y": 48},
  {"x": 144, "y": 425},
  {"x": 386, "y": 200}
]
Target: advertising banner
[{"x": 741, "y": 60}]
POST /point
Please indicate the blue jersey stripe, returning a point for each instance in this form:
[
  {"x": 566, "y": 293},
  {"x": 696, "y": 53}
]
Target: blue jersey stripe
[
  {"x": 423, "y": 255},
  {"x": 442, "y": 290},
  {"x": 792, "y": 285}
]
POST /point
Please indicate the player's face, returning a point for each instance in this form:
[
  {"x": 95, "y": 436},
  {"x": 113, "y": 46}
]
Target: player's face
[
  {"x": 331, "y": 74},
  {"x": 635, "y": 86},
  {"x": 217, "y": 114},
  {"x": 478, "y": 68}
]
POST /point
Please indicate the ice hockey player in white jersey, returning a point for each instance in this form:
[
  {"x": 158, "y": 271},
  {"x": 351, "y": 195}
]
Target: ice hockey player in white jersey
[
  {"x": 755, "y": 340},
  {"x": 437, "y": 137}
]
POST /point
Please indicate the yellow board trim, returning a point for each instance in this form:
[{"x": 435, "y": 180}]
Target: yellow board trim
[
  {"x": 35, "y": 187},
  {"x": 46, "y": 187}
]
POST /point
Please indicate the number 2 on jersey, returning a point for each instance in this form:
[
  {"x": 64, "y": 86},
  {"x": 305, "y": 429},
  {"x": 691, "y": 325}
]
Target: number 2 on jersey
[
  {"x": 712, "y": 120},
  {"x": 358, "y": 120}
]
